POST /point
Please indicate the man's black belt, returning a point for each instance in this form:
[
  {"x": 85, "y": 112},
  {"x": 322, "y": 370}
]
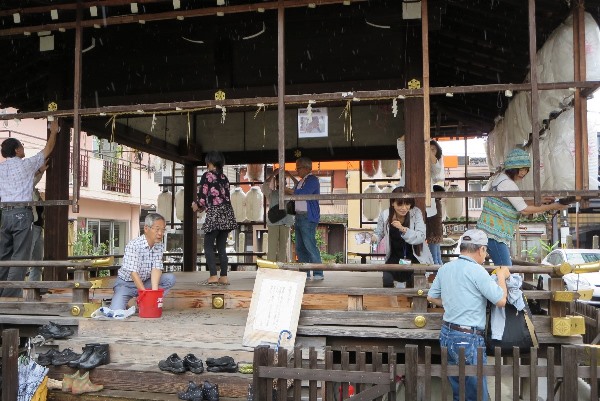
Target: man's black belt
[
  {"x": 16, "y": 207},
  {"x": 464, "y": 329}
]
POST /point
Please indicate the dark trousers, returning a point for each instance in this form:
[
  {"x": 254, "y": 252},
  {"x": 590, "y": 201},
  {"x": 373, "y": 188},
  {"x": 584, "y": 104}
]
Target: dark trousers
[
  {"x": 209, "y": 251},
  {"x": 15, "y": 244}
]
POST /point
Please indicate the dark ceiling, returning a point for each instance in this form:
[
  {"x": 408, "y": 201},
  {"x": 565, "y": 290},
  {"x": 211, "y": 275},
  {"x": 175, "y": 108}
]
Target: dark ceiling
[{"x": 365, "y": 46}]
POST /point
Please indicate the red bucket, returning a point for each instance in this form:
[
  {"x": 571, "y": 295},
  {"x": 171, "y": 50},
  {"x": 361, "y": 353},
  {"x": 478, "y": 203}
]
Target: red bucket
[{"x": 150, "y": 303}]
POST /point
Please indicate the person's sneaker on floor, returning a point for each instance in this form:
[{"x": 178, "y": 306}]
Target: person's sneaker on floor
[
  {"x": 193, "y": 364},
  {"x": 172, "y": 364},
  {"x": 318, "y": 277}
]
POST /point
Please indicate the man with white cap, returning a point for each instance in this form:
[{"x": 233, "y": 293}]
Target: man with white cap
[{"x": 463, "y": 287}]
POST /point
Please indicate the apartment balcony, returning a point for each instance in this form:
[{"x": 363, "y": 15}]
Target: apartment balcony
[
  {"x": 103, "y": 178},
  {"x": 116, "y": 176}
]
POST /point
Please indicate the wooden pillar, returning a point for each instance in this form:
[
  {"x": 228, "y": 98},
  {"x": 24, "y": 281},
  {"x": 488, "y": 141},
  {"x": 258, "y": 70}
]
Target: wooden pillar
[
  {"x": 56, "y": 217},
  {"x": 10, "y": 356},
  {"x": 190, "y": 226},
  {"x": 414, "y": 118}
]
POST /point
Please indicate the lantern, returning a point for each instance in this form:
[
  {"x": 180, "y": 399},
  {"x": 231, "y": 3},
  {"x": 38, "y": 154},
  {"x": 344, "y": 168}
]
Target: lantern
[
  {"x": 371, "y": 207},
  {"x": 370, "y": 167},
  {"x": 238, "y": 202},
  {"x": 179, "y": 206},
  {"x": 389, "y": 167},
  {"x": 454, "y": 206},
  {"x": 164, "y": 207},
  {"x": 254, "y": 204}
]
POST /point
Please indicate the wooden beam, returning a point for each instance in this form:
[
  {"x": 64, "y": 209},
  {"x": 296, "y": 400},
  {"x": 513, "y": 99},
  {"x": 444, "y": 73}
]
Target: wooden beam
[
  {"x": 535, "y": 100},
  {"x": 190, "y": 225},
  {"x": 76, "y": 106},
  {"x": 281, "y": 96},
  {"x": 57, "y": 217},
  {"x": 167, "y": 15},
  {"x": 135, "y": 139},
  {"x": 296, "y": 100}
]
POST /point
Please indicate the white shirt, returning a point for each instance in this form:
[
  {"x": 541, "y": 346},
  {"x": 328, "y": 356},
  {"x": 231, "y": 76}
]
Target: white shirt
[{"x": 16, "y": 177}]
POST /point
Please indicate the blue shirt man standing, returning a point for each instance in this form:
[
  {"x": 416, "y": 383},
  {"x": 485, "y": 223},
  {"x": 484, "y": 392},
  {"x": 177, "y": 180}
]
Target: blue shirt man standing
[{"x": 308, "y": 214}]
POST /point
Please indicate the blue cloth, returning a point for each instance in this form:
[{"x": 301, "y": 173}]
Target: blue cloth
[
  {"x": 454, "y": 340},
  {"x": 436, "y": 253},
  {"x": 514, "y": 297},
  {"x": 465, "y": 287},
  {"x": 125, "y": 290},
  {"x": 306, "y": 242},
  {"x": 311, "y": 186},
  {"x": 499, "y": 253}
]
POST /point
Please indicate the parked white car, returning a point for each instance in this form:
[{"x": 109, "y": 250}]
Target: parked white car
[{"x": 574, "y": 281}]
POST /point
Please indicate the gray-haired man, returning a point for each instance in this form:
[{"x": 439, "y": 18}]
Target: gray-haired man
[
  {"x": 142, "y": 266},
  {"x": 463, "y": 287}
]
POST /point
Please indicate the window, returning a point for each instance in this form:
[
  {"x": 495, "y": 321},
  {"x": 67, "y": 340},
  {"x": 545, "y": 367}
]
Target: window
[
  {"x": 107, "y": 235},
  {"x": 475, "y": 203},
  {"x": 325, "y": 189}
]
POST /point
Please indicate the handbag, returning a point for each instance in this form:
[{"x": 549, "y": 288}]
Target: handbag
[
  {"x": 290, "y": 207},
  {"x": 275, "y": 214},
  {"x": 518, "y": 331}
]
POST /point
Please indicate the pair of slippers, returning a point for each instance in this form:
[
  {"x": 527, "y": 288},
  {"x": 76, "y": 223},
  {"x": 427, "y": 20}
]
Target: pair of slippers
[{"x": 213, "y": 283}]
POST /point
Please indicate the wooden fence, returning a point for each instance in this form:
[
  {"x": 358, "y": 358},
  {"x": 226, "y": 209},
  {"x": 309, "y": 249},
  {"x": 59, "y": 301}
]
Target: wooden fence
[{"x": 384, "y": 374}]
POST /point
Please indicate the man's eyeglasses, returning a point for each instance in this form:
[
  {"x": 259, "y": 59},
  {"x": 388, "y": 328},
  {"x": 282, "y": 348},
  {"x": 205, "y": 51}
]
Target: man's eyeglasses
[{"x": 158, "y": 229}]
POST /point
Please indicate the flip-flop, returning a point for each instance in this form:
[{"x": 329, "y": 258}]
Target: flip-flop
[{"x": 209, "y": 283}]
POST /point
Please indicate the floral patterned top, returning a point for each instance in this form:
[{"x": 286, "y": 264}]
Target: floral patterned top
[{"x": 213, "y": 190}]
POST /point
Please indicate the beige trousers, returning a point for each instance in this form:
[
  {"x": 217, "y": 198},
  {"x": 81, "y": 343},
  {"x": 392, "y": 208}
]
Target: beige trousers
[{"x": 279, "y": 243}]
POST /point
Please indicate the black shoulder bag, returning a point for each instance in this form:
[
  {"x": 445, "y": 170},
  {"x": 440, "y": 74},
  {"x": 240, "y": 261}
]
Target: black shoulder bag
[{"x": 518, "y": 331}]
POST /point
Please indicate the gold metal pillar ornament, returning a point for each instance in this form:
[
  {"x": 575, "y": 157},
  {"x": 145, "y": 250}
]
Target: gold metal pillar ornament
[
  {"x": 561, "y": 326},
  {"x": 52, "y": 106},
  {"x": 219, "y": 95},
  {"x": 218, "y": 301},
  {"x": 414, "y": 84},
  {"x": 91, "y": 307},
  {"x": 420, "y": 321},
  {"x": 75, "y": 310}
]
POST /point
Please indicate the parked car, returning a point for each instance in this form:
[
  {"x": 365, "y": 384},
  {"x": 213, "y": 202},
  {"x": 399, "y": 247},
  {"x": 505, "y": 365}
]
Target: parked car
[{"x": 574, "y": 281}]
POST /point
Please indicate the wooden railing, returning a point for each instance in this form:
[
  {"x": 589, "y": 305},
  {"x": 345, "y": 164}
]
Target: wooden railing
[
  {"x": 31, "y": 303},
  {"x": 420, "y": 320},
  {"x": 373, "y": 372}
]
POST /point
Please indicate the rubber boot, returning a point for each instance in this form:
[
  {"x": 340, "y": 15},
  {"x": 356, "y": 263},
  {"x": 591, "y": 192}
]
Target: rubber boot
[
  {"x": 88, "y": 349},
  {"x": 67, "y": 383},
  {"x": 83, "y": 385},
  {"x": 99, "y": 356}
]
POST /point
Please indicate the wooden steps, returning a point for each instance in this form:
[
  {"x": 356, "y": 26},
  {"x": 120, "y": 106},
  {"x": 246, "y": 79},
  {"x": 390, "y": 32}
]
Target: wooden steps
[
  {"x": 137, "y": 345},
  {"x": 144, "y": 378},
  {"x": 122, "y": 395}
]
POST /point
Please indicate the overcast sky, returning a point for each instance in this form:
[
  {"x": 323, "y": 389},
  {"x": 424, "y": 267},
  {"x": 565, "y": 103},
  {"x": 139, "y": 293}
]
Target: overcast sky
[{"x": 475, "y": 147}]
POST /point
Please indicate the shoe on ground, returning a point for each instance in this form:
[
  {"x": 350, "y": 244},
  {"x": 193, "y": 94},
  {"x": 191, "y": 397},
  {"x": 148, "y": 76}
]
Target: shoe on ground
[
  {"x": 172, "y": 364},
  {"x": 45, "y": 359},
  {"x": 83, "y": 385},
  {"x": 54, "y": 330},
  {"x": 99, "y": 356},
  {"x": 193, "y": 364},
  {"x": 64, "y": 357},
  {"x": 222, "y": 361},
  {"x": 210, "y": 391},
  {"x": 318, "y": 277},
  {"x": 192, "y": 393}
]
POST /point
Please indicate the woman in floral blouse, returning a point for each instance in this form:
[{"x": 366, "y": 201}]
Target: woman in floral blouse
[{"x": 213, "y": 197}]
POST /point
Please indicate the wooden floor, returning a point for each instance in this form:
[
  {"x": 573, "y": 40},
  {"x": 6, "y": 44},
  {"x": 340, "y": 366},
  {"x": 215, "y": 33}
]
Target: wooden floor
[{"x": 189, "y": 324}]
